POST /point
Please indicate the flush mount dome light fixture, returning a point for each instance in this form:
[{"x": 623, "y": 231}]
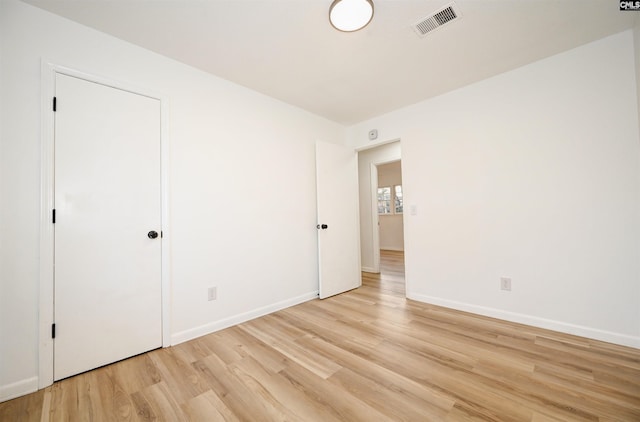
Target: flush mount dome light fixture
[{"x": 350, "y": 15}]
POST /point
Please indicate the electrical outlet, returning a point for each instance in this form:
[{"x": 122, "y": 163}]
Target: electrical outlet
[
  {"x": 505, "y": 284},
  {"x": 212, "y": 293}
]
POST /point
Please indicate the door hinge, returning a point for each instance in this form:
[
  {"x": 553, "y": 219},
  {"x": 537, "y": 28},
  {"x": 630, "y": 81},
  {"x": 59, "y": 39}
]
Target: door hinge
[
  {"x": 53, "y": 216},
  {"x": 161, "y": 234},
  {"x": 54, "y": 104},
  {"x": 53, "y": 330}
]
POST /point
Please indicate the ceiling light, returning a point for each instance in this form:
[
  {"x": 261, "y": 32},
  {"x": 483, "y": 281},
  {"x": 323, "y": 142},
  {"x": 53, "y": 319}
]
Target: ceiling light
[{"x": 350, "y": 15}]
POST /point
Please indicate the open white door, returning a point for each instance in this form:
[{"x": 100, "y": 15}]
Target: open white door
[
  {"x": 107, "y": 288},
  {"x": 338, "y": 219}
]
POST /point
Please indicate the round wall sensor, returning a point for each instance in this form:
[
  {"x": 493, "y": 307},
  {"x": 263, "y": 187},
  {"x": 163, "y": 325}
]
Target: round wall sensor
[{"x": 373, "y": 134}]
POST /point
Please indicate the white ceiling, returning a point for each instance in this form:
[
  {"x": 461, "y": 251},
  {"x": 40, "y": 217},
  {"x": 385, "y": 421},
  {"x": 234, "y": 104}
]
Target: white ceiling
[{"x": 288, "y": 50}]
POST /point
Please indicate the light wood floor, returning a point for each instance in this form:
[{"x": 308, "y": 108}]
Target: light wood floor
[{"x": 366, "y": 355}]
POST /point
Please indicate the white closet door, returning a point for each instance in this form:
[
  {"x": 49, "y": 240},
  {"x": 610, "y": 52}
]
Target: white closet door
[{"x": 107, "y": 207}]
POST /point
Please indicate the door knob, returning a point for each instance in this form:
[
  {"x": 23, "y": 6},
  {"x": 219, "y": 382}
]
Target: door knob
[
  {"x": 322, "y": 226},
  {"x": 152, "y": 234}
]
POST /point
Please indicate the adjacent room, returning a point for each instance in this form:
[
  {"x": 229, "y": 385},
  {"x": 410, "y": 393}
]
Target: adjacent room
[{"x": 420, "y": 210}]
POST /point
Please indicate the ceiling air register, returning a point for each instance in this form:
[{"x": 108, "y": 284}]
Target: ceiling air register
[{"x": 434, "y": 21}]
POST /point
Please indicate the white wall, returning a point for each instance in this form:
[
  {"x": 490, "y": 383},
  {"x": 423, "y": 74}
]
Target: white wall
[
  {"x": 391, "y": 227},
  {"x": 391, "y": 232},
  {"x": 242, "y": 185},
  {"x": 535, "y": 175},
  {"x": 381, "y": 154},
  {"x": 4, "y": 333},
  {"x": 636, "y": 45}
]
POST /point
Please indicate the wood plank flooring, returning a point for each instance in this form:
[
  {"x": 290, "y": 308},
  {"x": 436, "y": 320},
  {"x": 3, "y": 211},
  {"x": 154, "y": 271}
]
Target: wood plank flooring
[{"x": 366, "y": 355}]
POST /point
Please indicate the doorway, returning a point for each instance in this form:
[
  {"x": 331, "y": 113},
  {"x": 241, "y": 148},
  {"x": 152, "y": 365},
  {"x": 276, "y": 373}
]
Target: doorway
[
  {"x": 382, "y": 210},
  {"x": 390, "y": 207}
]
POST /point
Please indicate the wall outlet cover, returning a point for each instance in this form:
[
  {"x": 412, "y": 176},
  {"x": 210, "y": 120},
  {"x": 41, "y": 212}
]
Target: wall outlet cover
[
  {"x": 212, "y": 293},
  {"x": 505, "y": 283}
]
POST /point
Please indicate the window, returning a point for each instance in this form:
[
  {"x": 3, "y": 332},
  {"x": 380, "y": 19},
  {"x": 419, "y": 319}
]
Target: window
[
  {"x": 398, "y": 198},
  {"x": 388, "y": 196},
  {"x": 384, "y": 200}
]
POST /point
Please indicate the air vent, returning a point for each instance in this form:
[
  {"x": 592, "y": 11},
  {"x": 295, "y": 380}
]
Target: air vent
[{"x": 434, "y": 21}]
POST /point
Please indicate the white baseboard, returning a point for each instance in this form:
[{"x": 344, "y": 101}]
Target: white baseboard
[
  {"x": 17, "y": 389},
  {"x": 190, "y": 334},
  {"x": 563, "y": 327},
  {"x": 370, "y": 270}
]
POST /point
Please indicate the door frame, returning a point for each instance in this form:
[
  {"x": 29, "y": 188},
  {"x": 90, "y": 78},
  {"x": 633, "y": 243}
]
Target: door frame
[
  {"x": 49, "y": 70},
  {"x": 375, "y": 218}
]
